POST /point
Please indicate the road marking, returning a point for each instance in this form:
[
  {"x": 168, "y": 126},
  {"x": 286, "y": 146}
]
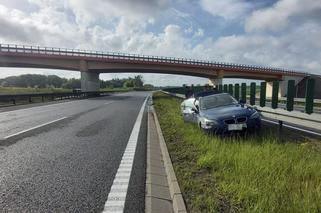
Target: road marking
[
  {"x": 118, "y": 192},
  {"x": 35, "y": 127},
  {"x": 109, "y": 102},
  {"x": 293, "y": 127}
]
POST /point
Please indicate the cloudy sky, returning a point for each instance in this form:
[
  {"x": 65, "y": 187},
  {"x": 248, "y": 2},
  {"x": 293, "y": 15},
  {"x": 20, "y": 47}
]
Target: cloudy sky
[{"x": 283, "y": 33}]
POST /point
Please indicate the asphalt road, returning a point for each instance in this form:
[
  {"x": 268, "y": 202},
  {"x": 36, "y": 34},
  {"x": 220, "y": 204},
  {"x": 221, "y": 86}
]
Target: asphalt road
[{"x": 68, "y": 164}]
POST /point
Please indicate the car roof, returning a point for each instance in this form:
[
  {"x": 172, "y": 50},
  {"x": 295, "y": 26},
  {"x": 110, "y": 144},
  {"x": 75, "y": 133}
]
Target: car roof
[
  {"x": 215, "y": 95},
  {"x": 206, "y": 93}
]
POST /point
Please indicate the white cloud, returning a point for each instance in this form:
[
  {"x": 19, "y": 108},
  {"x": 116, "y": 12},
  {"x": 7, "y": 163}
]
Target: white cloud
[
  {"x": 87, "y": 12},
  {"x": 296, "y": 44},
  {"x": 227, "y": 9},
  {"x": 279, "y": 16}
]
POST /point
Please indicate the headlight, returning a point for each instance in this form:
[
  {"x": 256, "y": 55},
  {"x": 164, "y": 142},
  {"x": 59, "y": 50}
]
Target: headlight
[
  {"x": 207, "y": 124},
  {"x": 255, "y": 115}
]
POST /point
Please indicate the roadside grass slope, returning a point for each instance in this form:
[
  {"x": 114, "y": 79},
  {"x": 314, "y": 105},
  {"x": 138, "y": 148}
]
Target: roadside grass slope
[{"x": 253, "y": 174}]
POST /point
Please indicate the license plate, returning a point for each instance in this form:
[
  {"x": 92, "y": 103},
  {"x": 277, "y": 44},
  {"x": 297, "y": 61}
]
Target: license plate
[{"x": 232, "y": 127}]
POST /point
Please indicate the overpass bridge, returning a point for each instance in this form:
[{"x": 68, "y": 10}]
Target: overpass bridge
[{"x": 92, "y": 63}]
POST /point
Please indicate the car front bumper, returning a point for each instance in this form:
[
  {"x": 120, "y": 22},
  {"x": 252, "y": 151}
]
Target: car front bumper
[{"x": 251, "y": 125}]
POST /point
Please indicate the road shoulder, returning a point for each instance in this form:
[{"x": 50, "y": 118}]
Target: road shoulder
[{"x": 162, "y": 190}]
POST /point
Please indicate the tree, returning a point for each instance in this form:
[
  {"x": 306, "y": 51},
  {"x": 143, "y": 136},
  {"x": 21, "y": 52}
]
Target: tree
[
  {"x": 55, "y": 81},
  {"x": 138, "y": 81},
  {"x": 148, "y": 87},
  {"x": 72, "y": 84}
]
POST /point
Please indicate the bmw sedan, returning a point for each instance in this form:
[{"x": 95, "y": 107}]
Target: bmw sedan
[{"x": 220, "y": 113}]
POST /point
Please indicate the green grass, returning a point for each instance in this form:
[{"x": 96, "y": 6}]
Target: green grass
[
  {"x": 20, "y": 90},
  {"x": 261, "y": 173}
]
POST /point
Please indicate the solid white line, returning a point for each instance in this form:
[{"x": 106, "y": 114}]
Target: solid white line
[
  {"x": 35, "y": 127},
  {"x": 293, "y": 127},
  {"x": 118, "y": 192}
]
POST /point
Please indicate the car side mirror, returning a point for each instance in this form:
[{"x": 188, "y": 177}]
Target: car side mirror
[{"x": 242, "y": 102}]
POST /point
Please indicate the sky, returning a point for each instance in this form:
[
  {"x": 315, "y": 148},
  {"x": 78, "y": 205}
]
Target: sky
[{"x": 283, "y": 33}]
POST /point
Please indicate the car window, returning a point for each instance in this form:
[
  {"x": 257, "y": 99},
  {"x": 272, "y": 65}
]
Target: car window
[{"x": 213, "y": 101}]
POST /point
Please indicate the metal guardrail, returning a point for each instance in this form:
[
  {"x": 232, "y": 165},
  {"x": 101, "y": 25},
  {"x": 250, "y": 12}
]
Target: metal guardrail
[
  {"x": 53, "y": 96},
  {"x": 12, "y": 48}
]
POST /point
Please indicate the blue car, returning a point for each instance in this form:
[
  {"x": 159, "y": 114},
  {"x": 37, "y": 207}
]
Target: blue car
[{"x": 220, "y": 113}]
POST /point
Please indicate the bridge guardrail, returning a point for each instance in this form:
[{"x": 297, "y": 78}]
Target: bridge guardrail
[
  {"x": 12, "y": 48},
  {"x": 13, "y": 98}
]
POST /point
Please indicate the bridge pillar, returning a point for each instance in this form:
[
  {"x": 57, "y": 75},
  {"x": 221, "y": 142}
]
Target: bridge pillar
[
  {"x": 283, "y": 86},
  {"x": 214, "y": 82},
  {"x": 89, "y": 80}
]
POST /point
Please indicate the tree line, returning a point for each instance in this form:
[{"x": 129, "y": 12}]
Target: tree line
[{"x": 43, "y": 81}]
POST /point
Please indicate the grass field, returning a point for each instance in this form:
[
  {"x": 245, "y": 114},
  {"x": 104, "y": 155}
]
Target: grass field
[{"x": 270, "y": 172}]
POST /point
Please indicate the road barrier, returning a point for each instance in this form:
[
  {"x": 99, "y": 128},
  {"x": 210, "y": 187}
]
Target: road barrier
[
  {"x": 237, "y": 92},
  {"x": 263, "y": 94},
  {"x": 234, "y": 90},
  {"x": 13, "y": 99}
]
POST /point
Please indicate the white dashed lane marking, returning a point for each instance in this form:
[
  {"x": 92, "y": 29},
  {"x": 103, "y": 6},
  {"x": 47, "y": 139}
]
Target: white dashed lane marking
[{"x": 35, "y": 127}]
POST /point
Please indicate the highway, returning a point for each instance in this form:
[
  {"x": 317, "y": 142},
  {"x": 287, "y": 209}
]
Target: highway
[{"x": 63, "y": 157}]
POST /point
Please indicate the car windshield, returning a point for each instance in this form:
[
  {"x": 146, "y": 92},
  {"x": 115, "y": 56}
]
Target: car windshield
[{"x": 213, "y": 101}]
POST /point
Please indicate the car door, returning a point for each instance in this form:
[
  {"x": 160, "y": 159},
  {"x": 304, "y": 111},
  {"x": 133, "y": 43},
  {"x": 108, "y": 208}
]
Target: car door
[{"x": 188, "y": 113}]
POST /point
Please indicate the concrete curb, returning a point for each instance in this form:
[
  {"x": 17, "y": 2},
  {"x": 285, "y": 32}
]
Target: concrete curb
[
  {"x": 175, "y": 192},
  {"x": 157, "y": 193}
]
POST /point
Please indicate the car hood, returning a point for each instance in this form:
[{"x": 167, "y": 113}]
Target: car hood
[{"x": 227, "y": 111}]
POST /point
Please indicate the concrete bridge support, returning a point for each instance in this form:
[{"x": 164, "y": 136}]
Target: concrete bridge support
[
  {"x": 283, "y": 87},
  {"x": 89, "y": 80},
  {"x": 214, "y": 82}
]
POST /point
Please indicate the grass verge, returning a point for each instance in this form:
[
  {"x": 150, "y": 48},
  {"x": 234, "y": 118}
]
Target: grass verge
[{"x": 253, "y": 174}]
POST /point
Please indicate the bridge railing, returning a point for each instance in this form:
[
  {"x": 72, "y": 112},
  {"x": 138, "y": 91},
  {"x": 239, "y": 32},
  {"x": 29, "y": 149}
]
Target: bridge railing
[{"x": 12, "y": 48}]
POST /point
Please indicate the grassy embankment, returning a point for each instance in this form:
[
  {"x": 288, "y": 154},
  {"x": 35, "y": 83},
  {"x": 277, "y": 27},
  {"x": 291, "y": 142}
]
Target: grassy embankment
[{"x": 254, "y": 174}]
